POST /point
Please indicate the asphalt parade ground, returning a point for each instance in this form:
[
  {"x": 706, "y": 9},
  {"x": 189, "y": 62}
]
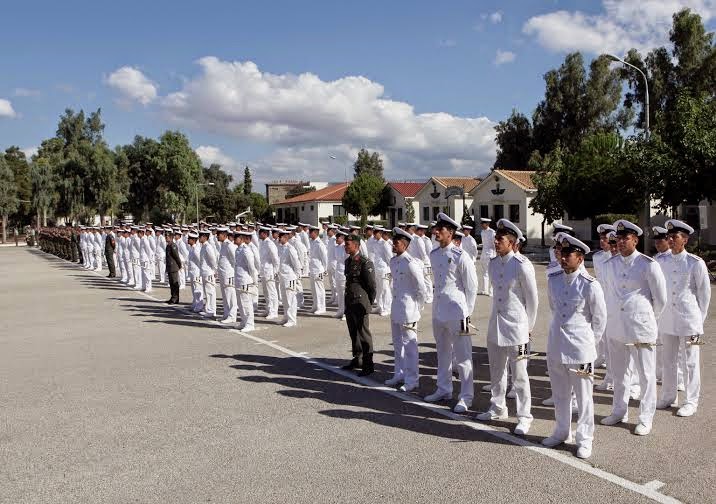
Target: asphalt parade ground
[{"x": 110, "y": 395}]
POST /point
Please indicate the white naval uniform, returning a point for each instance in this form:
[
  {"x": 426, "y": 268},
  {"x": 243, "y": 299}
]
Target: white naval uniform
[
  {"x": 302, "y": 254},
  {"x": 636, "y": 295},
  {"x": 330, "y": 243},
  {"x": 488, "y": 252},
  {"x": 469, "y": 245},
  {"x": 317, "y": 265},
  {"x": 513, "y": 316},
  {"x": 98, "y": 250},
  {"x": 135, "y": 245},
  {"x": 257, "y": 267},
  {"x": 245, "y": 275},
  {"x": 227, "y": 260},
  {"x": 152, "y": 239},
  {"x": 128, "y": 266},
  {"x": 453, "y": 302},
  {"x": 339, "y": 277},
  {"x": 579, "y": 316},
  {"x": 161, "y": 258},
  {"x": 427, "y": 268},
  {"x": 183, "y": 249},
  {"x": 194, "y": 266},
  {"x": 382, "y": 254},
  {"x": 147, "y": 263},
  {"x": 120, "y": 258},
  {"x": 289, "y": 274},
  {"x": 688, "y": 292},
  {"x": 408, "y": 297},
  {"x": 599, "y": 258},
  {"x": 209, "y": 264},
  {"x": 268, "y": 254}
]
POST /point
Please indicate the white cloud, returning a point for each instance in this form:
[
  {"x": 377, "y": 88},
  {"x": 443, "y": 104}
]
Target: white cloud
[
  {"x": 132, "y": 85},
  {"x": 210, "y": 154},
  {"x": 29, "y": 151},
  {"x": 623, "y": 24},
  {"x": 495, "y": 17},
  {"x": 502, "y": 57},
  {"x": 306, "y": 118},
  {"x": 6, "y": 109},
  {"x": 27, "y": 93}
]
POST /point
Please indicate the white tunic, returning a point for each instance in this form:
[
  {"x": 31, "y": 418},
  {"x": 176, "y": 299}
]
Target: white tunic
[
  {"x": 488, "y": 244},
  {"x": 688, "y": 294},
  {"x": 469, "y": 245},
  {"x": 195, "y": 260},
  {"x": 268, "y": 254},
  {"x": 409, "y": 291},
  {"x": 455, "y": 284},
  {"x": 208, "y": 259},
  {"x": 514, "y": 305},
  {"x": 579, "y": 316},
  {"x": 318, "y": 262},
  {"x": 227, "y": 258},
  {"x": 245, "y": 268},
  {"x": 290, "y": 266},
  {"x": 382, "y": 255},
  {"x": 637, "y": 289}
]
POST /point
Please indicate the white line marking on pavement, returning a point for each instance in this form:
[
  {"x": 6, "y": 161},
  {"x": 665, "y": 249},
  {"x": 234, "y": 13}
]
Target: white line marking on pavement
[{"x": 649, "y": 490}]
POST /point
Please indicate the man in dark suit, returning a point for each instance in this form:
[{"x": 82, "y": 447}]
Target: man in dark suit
[
  {"x": 359, "y": 295},
  {"x": 173, "y": 266},
  {"x": 109, "y": 246}
]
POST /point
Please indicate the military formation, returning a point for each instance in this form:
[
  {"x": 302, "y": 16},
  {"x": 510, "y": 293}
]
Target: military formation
[{"x": 639, "y": 317}]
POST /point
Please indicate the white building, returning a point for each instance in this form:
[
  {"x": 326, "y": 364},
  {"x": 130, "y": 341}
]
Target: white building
[
  {"x": 444, "y": 194},
  {"x": 507, "y": 194},
  {"x": 402, "y": 195},
  {"x": 315, "y": 206}
]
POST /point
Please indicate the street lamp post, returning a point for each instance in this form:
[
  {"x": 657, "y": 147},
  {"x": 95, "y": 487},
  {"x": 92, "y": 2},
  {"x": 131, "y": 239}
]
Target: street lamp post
[
  {"x": 197, "y": 198},
  {"x": 647, "y": 200}
]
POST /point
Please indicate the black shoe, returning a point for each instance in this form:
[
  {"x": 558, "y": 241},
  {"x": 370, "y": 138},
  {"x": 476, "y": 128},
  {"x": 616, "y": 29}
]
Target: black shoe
[
  {"x": 169, "y": 301},
  {"x": 366, "y": 371},
  {"x": 367, "y": 368},
  {"x": 353, "y": 364}
]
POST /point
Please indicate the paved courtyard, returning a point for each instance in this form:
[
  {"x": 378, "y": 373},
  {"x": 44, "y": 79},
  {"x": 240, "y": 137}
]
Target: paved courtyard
[{"x": 110, "y": 395}]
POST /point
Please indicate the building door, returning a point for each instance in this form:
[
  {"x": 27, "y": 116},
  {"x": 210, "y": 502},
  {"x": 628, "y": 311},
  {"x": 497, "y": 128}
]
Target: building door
[
  {"x": 392, "y": 218},
  {"x": 498, "y": 212}
]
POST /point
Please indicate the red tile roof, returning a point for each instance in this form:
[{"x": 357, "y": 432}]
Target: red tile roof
[
  {"x": 407, "y": 189},
  {"x": 331, "y": 193},
  {"x": 522, "y": 178},
  {"x": 469, "y": 183}
]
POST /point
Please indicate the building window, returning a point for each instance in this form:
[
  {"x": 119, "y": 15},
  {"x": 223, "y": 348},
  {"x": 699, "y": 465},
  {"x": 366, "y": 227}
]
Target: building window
[
  {"x": 311, "y": 208},
  {"x": 436, "y": 211},
  {"x": 515, "y": 213},
  {"x": 498, "y": 212},
  {"x": 426, "y": 214},
  {"x": 484, "y": 212},
  {"x": 303, "y": 208},
  {"x": 400, "y": 214},
  {"x": 338, "y": 210}
]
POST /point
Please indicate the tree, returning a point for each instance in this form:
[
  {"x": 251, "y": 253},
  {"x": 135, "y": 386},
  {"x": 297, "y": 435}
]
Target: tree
[
  {"x": 298, "y": 190},
  {"x": 181, "y": 170},
  {"x": 409, "y": 210},
  {"x": 368, "y": 163},
  {"x": 260, "y": 209},
  {"x": 43, "y": 189},
  {"x": 548, "y": 170},
  {"x": 363, "y": 196},
  {"x": 17, "y": 162},
  {"x": 515, "y": 142},
  {"x": 218, "y": 200},
  {"x": 248, "y": 185},
  {"x": 467, "y": 219},
  {"x": 8, "y": 195}
]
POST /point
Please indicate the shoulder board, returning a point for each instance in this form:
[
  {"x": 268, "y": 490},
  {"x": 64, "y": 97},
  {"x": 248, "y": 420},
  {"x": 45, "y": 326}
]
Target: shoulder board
[
  {"x": 647, "y": 258},
  {"x": 555, "y": 273},
  {"x": 434, "y": 250},
  {"x": 493, "y": 258},
  {"x": 520, "y": 258},
  {"x": 587, "y": 276},
  {"x": 612, "y": 258},
  {"x": 693, "y": 257},
  {"x": 457, "y": 251}
]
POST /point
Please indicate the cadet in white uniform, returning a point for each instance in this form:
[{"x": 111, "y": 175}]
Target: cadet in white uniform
[
  {"x": 339, "y": 273},
  {"x": 268, "y": 254},
  {"x": 453, "y": 303},
  {"x": 147, "y": 260},
  {"x": 302, "y": 253},
  {"x": 469, "y": 245},
  {"x": 427, "y": 244},
  {"x": 513, "y": 316},
  {"x": 488, "y": 252},
  {"x": 408, "y": 296},
  {"x": 579, "y": 316},
  {"x": 382, "y": 254},
  {"x": 227, "y": 259},
  {"x": 636, "y": 297},
  {"x": 329, "y": 240},
  {"x": 599, "y": 258},
  {"x": 245, "y": 274},
  {"x": 161, "y": 254},
  {"x": 317, "y": 266},
  {"x": 184, "y": 256},
  {"x": 688, "y": 297},
  {"x": 289, "y": 274},
  {"x": 208, "y": 273},
  {"x": 194, "y": 268}
]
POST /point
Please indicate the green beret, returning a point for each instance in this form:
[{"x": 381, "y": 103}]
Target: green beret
[{"x": 353, "y": 237}]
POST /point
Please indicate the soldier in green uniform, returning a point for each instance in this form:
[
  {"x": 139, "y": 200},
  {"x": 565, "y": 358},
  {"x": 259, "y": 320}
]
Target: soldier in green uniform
[{"x": 359, "y": 296}]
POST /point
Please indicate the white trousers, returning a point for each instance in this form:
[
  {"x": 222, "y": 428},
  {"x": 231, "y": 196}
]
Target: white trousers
[
  {"x": 563, "y": 382},
  {"x": 318, "y": 292},
  {"x": 484, "y": 287},
  {"x": 162, "y": 268},
  {"x": 137, "y": 275},
  {"x": 228, "y": 296},
  {"x": 330, "y": 276},
  {"x": 122, "y": 269},
  {"x": 340, "y": 286},
  {"x": 182, "y": 281},
  {"x": 428, "y": 285},
  {"x": 97, "y": 259},
  {"x": 500, "y": 357},
  {"x": 271, "y": 296},
  {"x": 209, "y": 293},
  {"x": 197, "y": 294},
  {"x": 405, "y": 349},
  {"x": 383, "y": 293},
  {"x": 129, "y": 279},
  {"x": 299, "y": 293},
  {"x": 84, "y": 257},
  {"x": 290, "y": 305},
  {"x": 645, "y": 363},
  {"x": 245, "y": 308},
  {"x": 692, "y": 375},
  {"x": 448, "y": 339},
  {"x": 147, "y": 275}
]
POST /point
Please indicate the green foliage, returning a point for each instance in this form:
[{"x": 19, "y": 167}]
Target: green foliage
[
  {"x": 368, "y": 163},
  {"x": 298, "y": 190},
  {"x": 611, "y": 218},
  {"x": 409, "y": 211},
  {"x": 548, "y": 170},
  {"x": 341, "y": 220},
  {"x": 363, "y": 196},
  {"x": 8, "y": 189},
  {"x": 260, "y": 209},
  {"x": 217, "y": 200},
  {"x": 248, "y": 184},
  {"x": 515, "y": 142},
  {"x": 44, "y": 195},
  {"x": 17, "y": 162},
  {"x": 467, "y": 219}
]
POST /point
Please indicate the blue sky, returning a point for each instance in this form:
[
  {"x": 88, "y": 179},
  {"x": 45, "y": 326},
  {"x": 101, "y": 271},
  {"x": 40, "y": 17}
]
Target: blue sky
[{"x": 434, "y": 76}]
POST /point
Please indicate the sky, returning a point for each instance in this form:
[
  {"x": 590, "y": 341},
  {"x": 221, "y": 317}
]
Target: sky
[{"x": 294, "y": 89}]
